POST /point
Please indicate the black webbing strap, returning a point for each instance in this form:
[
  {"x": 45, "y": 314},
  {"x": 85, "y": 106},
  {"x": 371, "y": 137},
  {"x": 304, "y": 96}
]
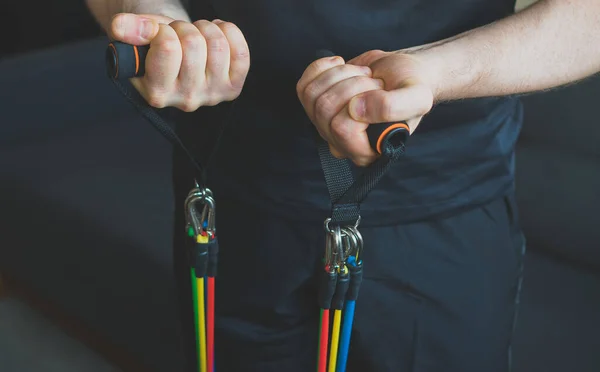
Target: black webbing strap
[
  {"x": 345, "y": 192},
  {"x": 167, "y": 131}
]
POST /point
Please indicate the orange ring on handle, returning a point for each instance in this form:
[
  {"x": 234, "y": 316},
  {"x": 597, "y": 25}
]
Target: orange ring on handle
[
  {"x": 137, "y": 59},
  {"x": 116, "y": 59},
  {"x": 387, "y": 131}
]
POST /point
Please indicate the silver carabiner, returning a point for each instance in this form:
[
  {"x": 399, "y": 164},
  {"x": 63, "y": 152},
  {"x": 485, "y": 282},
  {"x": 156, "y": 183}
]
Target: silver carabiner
[
  {"x": 194, "y": 218},
  {"x": 358, "y": 246},
  {"x": 333, "y": 246},
  {"x": 208, "y": 215}
]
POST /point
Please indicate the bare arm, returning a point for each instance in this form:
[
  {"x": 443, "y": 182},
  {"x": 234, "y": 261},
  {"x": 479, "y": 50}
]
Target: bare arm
[
  {"x": 551, "y": 43},
  {"x": 104, "y": 10}
]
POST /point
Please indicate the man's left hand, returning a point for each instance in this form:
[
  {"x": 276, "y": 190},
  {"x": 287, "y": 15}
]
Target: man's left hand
[{"x": 341, "y": 99}]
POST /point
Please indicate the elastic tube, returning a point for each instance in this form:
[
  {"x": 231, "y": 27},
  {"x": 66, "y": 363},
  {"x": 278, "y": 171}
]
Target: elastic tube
[
  {"x": 335, "y": 339},
  {"x": 201, "y": 324},
  {"x": 195, "y": 300},
  {"x": 323, "y": 341},
  {"x": 210, "y": 320},
  {"x": 344, "y": 348}
]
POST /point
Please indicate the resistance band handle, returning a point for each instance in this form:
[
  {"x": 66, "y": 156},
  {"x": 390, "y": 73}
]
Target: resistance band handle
[
  {"x": 125, "y": 61},
  {"x": 391, "y": 136},
  {"x": 382, "y": 136}
]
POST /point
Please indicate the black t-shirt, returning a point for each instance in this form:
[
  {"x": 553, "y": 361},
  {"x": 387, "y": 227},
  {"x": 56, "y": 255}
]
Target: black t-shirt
[{"x": 461, "y": 155}]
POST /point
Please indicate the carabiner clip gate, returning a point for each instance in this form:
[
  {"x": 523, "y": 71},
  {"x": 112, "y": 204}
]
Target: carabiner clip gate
[{"x": 200, "y": 225}]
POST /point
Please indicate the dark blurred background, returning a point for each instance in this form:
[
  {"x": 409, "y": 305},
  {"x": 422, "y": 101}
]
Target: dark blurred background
[
  {"x": 30, "y": 25},
  {"x": 86, "y": 213}
]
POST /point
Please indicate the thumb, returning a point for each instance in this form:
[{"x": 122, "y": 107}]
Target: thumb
[
  {"x": 135, "y": 29},
  {"x": 381, "y": 106}
]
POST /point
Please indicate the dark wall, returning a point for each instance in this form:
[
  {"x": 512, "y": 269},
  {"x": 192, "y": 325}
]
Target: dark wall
[{"x": 35, "y": 24}]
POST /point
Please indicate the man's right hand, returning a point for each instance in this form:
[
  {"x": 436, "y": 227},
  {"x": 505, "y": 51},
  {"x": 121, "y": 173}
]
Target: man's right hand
[{"x": 189, "y": 65}]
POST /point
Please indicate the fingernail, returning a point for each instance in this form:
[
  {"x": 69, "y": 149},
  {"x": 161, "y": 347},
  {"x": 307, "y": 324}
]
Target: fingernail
[
  {"x": 365, "y": 70},
  {"x": 380, "y": 83},
  {"x": 146, "y": 29},
  {"x": 217, "y": 21},
  {"x": 357, "y": 108}
]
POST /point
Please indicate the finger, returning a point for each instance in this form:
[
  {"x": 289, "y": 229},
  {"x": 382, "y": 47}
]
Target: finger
[
  {"x": 381, "y": 106},
  {"x": 133, "y": 29},
  {"x": 326, "y": 80},
  {"x": 315, "y": 69},
  {"x": 333, "y": 100},
  {"x": 193, "y": 63},
  {"x": 336, "y": 153},
  {"x": 239, "y": 63},
  {"x": 367, "y": 58},
  {"x": 162, "y": 68},
  {"x": 217, "y": 47},
  {"x": 350, "y": 138}
]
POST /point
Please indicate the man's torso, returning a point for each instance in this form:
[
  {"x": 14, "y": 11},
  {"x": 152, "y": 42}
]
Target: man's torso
[{"x": 461, "y": 154}]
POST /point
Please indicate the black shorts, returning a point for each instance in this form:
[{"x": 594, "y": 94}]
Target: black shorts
[{"x": 437, "y": 296}]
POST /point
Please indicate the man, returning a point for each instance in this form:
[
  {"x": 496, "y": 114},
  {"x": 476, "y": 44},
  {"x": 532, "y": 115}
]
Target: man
[{"x": 443, "y": 248}]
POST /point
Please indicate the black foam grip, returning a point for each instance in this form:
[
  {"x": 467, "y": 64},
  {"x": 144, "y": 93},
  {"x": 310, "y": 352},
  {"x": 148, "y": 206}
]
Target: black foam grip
[
  {"x": 381, "y": 137},
  {"x": 393, "y": 140},
  {"x": 124, "y": 61}
]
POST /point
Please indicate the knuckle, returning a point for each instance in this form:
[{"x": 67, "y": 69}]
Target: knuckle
[
  {"x": 339, "y": 128},
  {"x": 387, "y": 107},
  {"x": 188, "y": 106},
  {"x": 242, "y": 52},
  {"x": 212, "y": 99},
  {"x": 233, "y": 92},
  {"x": 324, "y": 106},
  {"x": 157, "y": 99},
  {"x": 311, "y": 91},
  {"x": 300, "y": 89},
  {"x": 236, "y": 85},
  {"x": 228, "y": 27},
  {"x": 192, "y": 42},
  {"x": 217, "y": 43},
  {"x": 322, "y": 64},
  {"x": 361, "y": 161},
  {"x": 168, "y": 45}
]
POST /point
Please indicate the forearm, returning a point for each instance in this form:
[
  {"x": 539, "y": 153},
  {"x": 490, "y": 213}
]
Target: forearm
[
  {"x": 552, "y": 43},
  {"x": 104, "y": 10}
]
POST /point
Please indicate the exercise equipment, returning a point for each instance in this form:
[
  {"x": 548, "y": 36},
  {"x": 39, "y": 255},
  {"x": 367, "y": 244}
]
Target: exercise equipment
[{"x": 342, "y": 261}]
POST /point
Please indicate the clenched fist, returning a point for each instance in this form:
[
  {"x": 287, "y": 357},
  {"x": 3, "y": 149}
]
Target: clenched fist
[
  {"x": 188, "y": 65},
  {"x": 343, "y": 98}
]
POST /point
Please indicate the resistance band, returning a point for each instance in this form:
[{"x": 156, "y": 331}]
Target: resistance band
[
  {"x": 342, "y": 274},
  {"x": 124, "y": 61}
]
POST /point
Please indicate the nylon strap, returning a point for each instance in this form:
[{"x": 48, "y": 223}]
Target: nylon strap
[
  {"x": 345, "y": 192},
  {"x": 167, "y": 131}
]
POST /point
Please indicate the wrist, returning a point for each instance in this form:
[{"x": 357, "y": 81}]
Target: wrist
[{"x": 452, "y": 70}]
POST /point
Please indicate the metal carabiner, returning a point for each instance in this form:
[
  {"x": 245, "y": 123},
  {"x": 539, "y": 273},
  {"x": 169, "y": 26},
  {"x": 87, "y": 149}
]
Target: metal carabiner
[
  {"x": 203, "y": 197},
  {"x": 357, "y": 250},
  {"x": 333, "y": 245},
  {"x": 208, "y": 216}
]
